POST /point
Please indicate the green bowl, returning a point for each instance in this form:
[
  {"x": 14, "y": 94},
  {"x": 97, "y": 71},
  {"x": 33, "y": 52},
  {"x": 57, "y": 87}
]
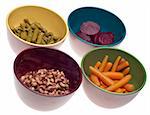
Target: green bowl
[{"x": 137, "y": 70}]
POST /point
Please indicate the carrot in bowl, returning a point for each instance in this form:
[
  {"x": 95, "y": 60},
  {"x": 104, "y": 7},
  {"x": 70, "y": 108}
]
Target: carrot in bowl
[
  {"x": 126, "y": 71},
  {"x": 97, "y": 65},
  {"x": 120, "y": 83},
  {"x": 120, "y": 90},
  {"x": 104, "y": 62},
  {"x": 102, "y": 84},
  {"x": 102, "y": 77},
  {"x": 95, "y": 80},
  {"x": 114, "y": 67},
  {"x": 122, "y": 60},
  {"x": 108, "y": 66},
  {"x": 129, "y": 87},
  {"x": 114, "y": 75},
  {"x": 123, "y": 65}
]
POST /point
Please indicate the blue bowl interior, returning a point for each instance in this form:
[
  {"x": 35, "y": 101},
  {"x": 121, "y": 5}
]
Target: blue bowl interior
[{"x": 108, "y": 22}]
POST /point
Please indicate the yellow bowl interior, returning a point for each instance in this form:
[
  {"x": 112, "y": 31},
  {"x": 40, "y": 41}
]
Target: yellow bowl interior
[{"x": 47, "y": 18}]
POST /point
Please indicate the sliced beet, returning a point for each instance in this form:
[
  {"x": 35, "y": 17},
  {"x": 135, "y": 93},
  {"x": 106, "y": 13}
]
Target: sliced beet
[
  {"x": 84, "y": 36},
  {"x": 89, "y": 28},
  {"x": 103, "y": 38}
]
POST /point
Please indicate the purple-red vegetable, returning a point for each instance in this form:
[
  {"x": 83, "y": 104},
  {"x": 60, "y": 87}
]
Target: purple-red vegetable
[
  {"x": 103, "y": 38},
  {"x": 84, "y": 36},
  {"x": 90, "y": 31},
  {"x": 89, "y": 28}
]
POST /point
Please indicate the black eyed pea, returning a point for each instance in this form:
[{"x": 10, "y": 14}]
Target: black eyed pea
[
  {"x": 34, "y": 84},
  {"x": 43, "y": 84}
]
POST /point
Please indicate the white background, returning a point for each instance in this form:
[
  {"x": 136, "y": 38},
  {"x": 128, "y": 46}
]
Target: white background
[{"x": 136, "y": 16}]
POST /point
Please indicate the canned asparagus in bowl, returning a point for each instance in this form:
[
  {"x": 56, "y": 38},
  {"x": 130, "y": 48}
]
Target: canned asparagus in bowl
[{"x": 37, "y": 26}]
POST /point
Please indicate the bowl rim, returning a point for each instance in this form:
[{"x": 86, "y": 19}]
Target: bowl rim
[
  {"x": 92, "y": 44},
  {"x": 113, "y": 93},
  {"x": 33, "y": 44},
  {"x": 50, "y": 49}
]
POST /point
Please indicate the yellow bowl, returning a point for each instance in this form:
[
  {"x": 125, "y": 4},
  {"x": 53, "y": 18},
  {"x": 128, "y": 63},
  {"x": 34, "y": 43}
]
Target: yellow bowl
[{"x": 47, "y": 18}]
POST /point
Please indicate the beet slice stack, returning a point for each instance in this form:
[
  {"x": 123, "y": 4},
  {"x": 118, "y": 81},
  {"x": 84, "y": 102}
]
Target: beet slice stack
[{"x": 90, "y": 31}]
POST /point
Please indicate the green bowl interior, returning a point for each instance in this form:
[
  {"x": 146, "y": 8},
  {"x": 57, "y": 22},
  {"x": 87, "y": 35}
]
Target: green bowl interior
[{"x": 136, "y": 68}]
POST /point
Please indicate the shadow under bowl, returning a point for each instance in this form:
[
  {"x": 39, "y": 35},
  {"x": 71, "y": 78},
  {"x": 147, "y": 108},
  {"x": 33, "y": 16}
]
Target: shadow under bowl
[
  {"x": 110, "y": 99},
  {"x": 37, "y": 58},
  {"x": 108, "y": 23}
]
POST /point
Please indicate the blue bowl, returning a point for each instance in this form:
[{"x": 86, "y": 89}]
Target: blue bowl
[{"x": 108, "y": 23}]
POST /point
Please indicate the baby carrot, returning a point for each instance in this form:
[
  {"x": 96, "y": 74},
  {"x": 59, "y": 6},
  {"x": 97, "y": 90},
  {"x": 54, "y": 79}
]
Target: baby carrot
[
  {"x": 122, "y": 60},
  {"x": 97, "y": 65},
  {"x": 123, "y": 65},
  {"x": 102, "y": 77},
  {"x": 102, "y": 84},
  {"x": 114, "y": 75},
  {"x": 114, "y": 67},
  {"x": 102, "y": 87},
  {"x": 129, "y": 87},
  {"x": 120, "y": 90},
  {"x": 95, "y": 80},
  {"x": 104, "y": 62},
  {"x": 126, "y": 71},
  {"x": 120, "y": 83},
  {"x": 108, "y": 67},
  {"x": 115, "y": 81}
]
